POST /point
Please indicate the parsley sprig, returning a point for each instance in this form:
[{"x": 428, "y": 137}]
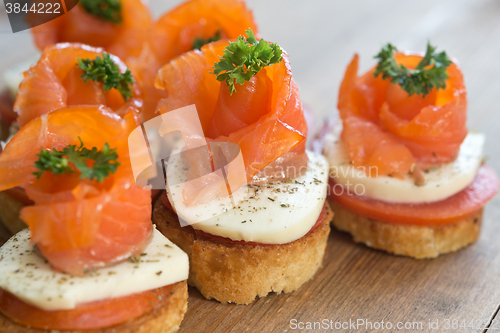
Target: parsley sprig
[
  {"x": 108, "y": 10},
  {"x": 244, "y": 58},
  {"x": 198, "y": 42},
  {"x": 105, "y": 70},
  {"x": 71, "y": 158},
  {"x": 430, "y": 72}
]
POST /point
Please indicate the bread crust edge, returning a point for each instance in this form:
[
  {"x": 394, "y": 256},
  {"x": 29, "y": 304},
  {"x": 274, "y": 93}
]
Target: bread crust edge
[
  {"x": 165, "y": 320},
  {"x": 420, "y": 242},
  {"x": 10, "y": 209},
  {"x": 238, "y": 273}
]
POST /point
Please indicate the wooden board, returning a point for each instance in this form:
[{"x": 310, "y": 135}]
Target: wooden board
[{"x": 357, "y": 283}]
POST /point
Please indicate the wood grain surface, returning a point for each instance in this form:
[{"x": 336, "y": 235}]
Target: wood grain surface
[{"x": 357, "y": 283}]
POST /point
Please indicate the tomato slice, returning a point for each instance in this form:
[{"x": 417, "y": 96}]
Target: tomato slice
[
  {"x": 86, "y": 316},
  {"x": 225, "y": 240},
  {"x": 453, "y": 209}
]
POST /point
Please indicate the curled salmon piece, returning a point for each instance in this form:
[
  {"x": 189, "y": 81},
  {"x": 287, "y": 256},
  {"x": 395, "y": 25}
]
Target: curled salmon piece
[
  {"x": 383, "y": 154},
  {"x": 175, "y": 33},
  {"x": 386, "y": 128},
  {"x": 79, "y": 224},
  {"x": 264, "y": 117},
  {"x": 124, "y": 39},
  {"x": 55, "y": 82}
]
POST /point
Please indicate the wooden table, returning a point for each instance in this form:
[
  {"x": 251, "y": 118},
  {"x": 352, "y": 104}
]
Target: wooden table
[{"x": 357, "y": 283}]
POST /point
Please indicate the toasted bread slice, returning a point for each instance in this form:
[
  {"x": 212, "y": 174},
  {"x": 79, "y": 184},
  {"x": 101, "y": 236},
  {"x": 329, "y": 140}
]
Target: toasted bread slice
[
  {"x": 4, "y": 234},
  {"x": 9, "y": 213},
  {"x": 408, "y": 240},
  {"x": 238, "y": 273},
  {"x": 165, "y": 320}
]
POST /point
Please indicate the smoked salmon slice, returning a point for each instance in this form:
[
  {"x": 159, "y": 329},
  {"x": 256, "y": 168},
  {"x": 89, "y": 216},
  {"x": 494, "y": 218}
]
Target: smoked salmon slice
[
  {"x": 386, "y": 128},
  {"x": 124, "y": 39},
  {"x": 79, "y": 224},
  {"x": 265, "y": 114},
  {"x": 177, "y": 31},
  {"x": 55, "y": 82}
]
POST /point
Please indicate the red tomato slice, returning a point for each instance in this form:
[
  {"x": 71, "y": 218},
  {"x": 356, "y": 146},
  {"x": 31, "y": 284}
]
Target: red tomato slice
[
  {"x": 86, "y": 316},
  {"x": 455, "y": 208},
  {"x": 225, "y": 240}
]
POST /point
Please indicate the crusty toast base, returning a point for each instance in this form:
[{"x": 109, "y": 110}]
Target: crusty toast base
[
  {"x": 408, "y": 240},
  {"x": 165, "y": 320},
  {"x": 10, "y": 209},
  {"x": 238, "y": 273}
]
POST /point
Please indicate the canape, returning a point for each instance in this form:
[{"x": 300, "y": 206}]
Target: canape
[
  {"x": 407, "y": 176},
  {"x": 267, "y": 233},
  {"x": 91, "y": 259}
]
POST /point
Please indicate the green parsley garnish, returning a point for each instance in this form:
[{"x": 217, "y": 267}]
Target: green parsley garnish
[
  {"x": 108, "y": 10},
  {"x": 199, "y": 41},
  {"x": 106, "y": 71},
  {"x": 71, "y": 157},
  {"x": 430, "y": 72},
  {"x": 244, "y": 58}
]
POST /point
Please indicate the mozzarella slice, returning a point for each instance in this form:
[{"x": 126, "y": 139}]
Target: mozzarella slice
[
  {"x": 275, "y": 213},
  {"x": 29, "y": 277},
  {"x": 440, "y": 183},
  {"x": 13, "y": 76}
]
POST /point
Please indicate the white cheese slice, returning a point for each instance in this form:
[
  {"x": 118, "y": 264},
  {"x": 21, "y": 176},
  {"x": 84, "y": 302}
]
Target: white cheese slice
[
  {"x": 440, "y": 182},
  {"x": 275, "y": 213},
  {"x": 29, "y": 277},
  {"x": 13, "y": 76}
]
